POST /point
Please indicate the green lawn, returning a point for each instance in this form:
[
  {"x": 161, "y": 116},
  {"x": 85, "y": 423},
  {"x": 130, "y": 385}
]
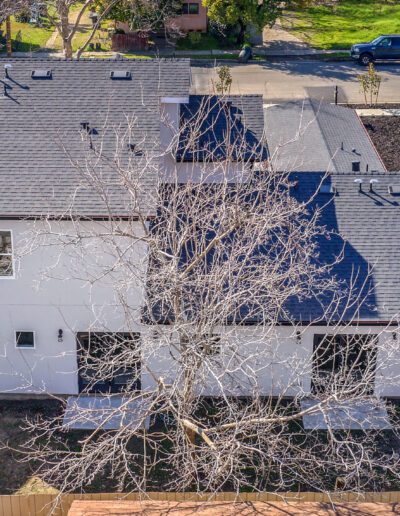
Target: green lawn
[
  {"x": 32, "y": 37},
  {"x": 348, "y": 22}
]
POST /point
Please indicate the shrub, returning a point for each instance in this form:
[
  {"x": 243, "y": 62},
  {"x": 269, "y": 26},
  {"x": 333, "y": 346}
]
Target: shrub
[{"x": 194, "y": 38}]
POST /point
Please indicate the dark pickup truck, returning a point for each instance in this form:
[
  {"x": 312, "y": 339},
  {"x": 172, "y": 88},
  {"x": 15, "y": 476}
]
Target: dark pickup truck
[{"x": 383, "y": 47}]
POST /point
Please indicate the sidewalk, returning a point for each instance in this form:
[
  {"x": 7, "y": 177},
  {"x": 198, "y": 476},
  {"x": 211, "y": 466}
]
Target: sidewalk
[{"x": 195, "y": 54}]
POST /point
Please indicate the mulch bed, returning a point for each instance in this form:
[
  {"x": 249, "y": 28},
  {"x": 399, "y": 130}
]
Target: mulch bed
[
  {"x": 389, "y": 105},
  {"x": 384, "y": 131}
]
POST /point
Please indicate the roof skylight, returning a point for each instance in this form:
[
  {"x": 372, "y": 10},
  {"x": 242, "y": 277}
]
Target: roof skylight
[
  {"x": 41, "y": 74},
  {"x": 121, "y": 75},
  {"x": 327, "y": 189}
]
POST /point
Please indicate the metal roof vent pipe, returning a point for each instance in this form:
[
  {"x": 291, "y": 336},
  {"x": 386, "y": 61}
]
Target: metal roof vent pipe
[
  {"x": 7, "y": 67},
  {"x": 359, "y": 182},
  {"x": 355, "y": 166},
  {"x": 372, "y": 182}
]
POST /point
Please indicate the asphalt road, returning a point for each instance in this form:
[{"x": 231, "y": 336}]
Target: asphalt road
[{"x": 283, "y": 80}]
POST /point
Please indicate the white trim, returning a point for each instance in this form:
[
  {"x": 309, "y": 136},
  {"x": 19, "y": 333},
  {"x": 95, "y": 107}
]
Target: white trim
[
  {"x": 175, "y": 100},
  {"x": 25, "y": 347},
  {"x": 12, "y": 256}
]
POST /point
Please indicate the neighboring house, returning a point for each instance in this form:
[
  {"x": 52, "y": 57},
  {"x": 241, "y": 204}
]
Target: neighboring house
[
  {"x": 193, "y": 19},
  {"x": 51, "y": 107}
]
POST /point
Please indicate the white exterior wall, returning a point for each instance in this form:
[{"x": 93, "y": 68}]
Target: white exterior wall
[
  {"x": 281, "y": 364},
  {"x": 28, "y": 304},
  {"x": 193, "y": 172}
]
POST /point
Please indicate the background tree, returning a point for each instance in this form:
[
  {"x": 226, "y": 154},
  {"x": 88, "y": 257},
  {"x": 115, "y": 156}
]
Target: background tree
[
  {"x": 241, "y": 14},
  {"x": 225, "y": 247},
  {"x": 60, "y": 12},
  {"x": 148, "y": 15},
  {"x": 7, "y": 9}
]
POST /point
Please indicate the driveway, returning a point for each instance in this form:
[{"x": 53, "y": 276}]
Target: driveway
[{"x": 283, "y": 80}]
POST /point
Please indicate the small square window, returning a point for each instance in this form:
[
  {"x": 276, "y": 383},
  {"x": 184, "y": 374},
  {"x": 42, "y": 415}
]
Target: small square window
[
  {"x": 190, "y": 8},
  {"x": 193, "y": 8},
  {"x": 6, "y": 257},
  {"x": 25, "y": 339}
]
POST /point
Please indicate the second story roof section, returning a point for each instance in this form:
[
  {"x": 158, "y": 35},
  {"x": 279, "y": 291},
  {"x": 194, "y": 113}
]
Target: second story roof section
[
  {"x": 216, "y": 128},
  {"x": 52, "y": 112},
  {"x": 310, "y": 136}
]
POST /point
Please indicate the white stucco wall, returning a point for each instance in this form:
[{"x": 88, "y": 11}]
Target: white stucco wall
[
  {"x": 32, "y": 303},
  {"x": 270, "y": 364},
  {"x": 278, "y": 362}
]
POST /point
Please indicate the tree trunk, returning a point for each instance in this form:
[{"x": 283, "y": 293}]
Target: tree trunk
[
  {"x": 67, "y": 48},
  {"x": 8, "y": 36},
  {"x": 64, "y": 30},
  {"x": 242, "y": 32}
]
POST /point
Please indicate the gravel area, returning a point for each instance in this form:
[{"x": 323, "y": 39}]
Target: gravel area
[{"x": 384, "y": 131}]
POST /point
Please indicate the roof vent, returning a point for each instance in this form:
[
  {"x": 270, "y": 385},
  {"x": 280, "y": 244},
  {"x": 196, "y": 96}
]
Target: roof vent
[
  {"x": 359, "y": 182},
  {"x": 372, "y": 182},
  {"x": 355, "y": 166},
  {"x": 41, "y": 74},
  {"x": 7, "y": 68},
  {"x": 85, "y": 126},
  {"x": 121, "y": 75},
  {"x": 394, "y": 189},
  {"x": 327, "y": 189}
]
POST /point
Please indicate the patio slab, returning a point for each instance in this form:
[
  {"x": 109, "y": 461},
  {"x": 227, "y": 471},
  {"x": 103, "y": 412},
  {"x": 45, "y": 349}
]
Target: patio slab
[{"x": 360, "y": 415}]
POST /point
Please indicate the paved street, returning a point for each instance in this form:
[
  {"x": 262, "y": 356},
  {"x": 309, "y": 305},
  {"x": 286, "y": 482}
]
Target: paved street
[{"x": 282, "y": 80}]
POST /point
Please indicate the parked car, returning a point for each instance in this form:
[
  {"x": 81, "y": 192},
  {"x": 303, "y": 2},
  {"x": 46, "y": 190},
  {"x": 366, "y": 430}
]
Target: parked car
[{"x": 383, "y": 47}]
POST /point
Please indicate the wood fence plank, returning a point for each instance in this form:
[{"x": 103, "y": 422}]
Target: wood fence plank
[
  {"x": 16, "y": 511},
  {"x": 24, "y": 506},
  {"x": 5, "y": 506},
  {"x": 44, "y": 504},
  {"x": 40, "y": 505}
]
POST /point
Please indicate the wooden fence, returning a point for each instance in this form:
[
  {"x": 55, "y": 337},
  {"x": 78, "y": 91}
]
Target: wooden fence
[
  {"x": 130, "y": 41},
  {"x": 41, "y": 504}
]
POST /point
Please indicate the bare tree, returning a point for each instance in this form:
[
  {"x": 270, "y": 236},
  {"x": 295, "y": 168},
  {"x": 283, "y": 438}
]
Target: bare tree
[
  {"x": 59, "y": 13},
  {"x": 219, "y": 249}
]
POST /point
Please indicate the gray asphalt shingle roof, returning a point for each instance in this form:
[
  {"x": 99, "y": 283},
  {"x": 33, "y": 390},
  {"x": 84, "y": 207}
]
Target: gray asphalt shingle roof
[
  {"x": 308, "y": 136},
  {"x": 368, "y": 223},
  {"x": 305, "y": 138},
  {"x": 40, "y": 120},
  {"x": 209, "y": 118}
]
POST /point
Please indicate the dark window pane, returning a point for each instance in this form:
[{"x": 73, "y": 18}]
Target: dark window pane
[
  {"x": 6, "y": 268},
  {"x": 185, "y": 8},
  {"x": 25, "y": 339},
  {"x": 5, "y": 242},
  {"x": 193, "y": 8}
]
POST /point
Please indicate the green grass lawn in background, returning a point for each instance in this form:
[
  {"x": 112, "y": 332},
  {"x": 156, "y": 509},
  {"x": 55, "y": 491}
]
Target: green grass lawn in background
[
  {"x": 33, "y": 38},
  {"x": 345, "y": 23}
]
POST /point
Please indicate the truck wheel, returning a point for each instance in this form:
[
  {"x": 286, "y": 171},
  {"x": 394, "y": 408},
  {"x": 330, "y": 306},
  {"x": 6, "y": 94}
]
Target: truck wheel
[{"x": 365, "y": 59}]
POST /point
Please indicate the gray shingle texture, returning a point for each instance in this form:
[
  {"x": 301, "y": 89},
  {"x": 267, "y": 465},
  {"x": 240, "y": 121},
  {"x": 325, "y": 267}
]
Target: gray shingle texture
[
  {"x": 367, "y": 222},
  {"x": 308, "y": 136},
  {"x": 40, "y": 130}
]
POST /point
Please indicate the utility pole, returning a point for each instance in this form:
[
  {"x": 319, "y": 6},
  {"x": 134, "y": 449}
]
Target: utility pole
[{"x": 8, "y": 36}]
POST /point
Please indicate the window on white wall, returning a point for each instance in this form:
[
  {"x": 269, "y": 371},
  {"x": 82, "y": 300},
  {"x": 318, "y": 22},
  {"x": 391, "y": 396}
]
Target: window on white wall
[
  {"x": 25, "y": 339},
  {"x": 6, "y": 258}
]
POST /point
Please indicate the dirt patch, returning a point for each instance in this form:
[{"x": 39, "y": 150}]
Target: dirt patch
[
  {"x": 384, "y": 131},
  {"x": 14, "y": 473}
]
